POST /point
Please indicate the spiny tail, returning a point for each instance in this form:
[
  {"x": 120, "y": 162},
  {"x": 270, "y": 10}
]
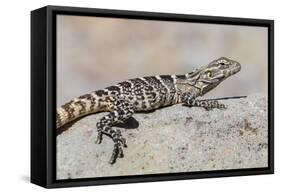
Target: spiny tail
[{"x": 78, "y": 107}]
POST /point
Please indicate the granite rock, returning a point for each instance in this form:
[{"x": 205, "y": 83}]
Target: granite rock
[{"x": 170, "y": 139}]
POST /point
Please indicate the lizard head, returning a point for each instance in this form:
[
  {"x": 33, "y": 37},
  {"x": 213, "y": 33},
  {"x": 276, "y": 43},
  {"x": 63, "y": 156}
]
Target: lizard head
[{"x": 211, "y": 75}]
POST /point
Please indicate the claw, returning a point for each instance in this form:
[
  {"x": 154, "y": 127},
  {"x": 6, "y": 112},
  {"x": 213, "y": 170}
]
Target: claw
[
  {"x": 115, "y": 154},
  {"x": 208, "y": 108},
  {"x": 99, "y": 138},
  {"x": 121, "y": 154},
  {"x": 112, "y": 160}
]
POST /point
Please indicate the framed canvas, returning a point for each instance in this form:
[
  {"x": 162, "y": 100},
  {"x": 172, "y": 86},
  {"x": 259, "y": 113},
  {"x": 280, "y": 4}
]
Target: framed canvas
[{"x": 126, "y": 96}]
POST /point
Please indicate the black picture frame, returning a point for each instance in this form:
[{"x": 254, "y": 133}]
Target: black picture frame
[{"x": 43, "y": 95}]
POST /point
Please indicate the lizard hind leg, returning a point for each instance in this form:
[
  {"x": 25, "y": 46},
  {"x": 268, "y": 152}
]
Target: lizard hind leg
[{"x": 121, "y": 111}]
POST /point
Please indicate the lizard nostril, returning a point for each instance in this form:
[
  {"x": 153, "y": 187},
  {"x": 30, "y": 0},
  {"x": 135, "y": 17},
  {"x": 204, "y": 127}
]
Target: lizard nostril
[{"x": 238, "y": 67}]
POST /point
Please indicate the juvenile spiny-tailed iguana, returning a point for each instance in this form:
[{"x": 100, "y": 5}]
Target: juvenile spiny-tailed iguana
[{"x": 146, "y": 93}]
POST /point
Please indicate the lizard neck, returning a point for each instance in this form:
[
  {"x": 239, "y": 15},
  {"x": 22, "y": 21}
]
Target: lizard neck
[{"x": 187, "y": 91}]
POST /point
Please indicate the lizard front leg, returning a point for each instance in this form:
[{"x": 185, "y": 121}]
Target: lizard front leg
[
  {"x": 121, "y": 111},
  {"x": 190, "y": 101}
]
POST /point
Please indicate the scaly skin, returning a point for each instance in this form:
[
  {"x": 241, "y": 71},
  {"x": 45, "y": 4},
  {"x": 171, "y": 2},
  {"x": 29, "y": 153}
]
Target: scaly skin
[{"x": 146, "y": 93}]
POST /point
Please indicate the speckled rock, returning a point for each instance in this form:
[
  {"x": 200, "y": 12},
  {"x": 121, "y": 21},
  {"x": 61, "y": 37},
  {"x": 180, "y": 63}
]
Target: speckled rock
[{"x": 171, "y": 139}]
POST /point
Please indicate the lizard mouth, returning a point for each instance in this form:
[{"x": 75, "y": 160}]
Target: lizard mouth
[{"x": 236, "y": 67}]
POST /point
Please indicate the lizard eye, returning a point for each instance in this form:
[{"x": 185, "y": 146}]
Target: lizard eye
[{"x": 210, "y": 74}]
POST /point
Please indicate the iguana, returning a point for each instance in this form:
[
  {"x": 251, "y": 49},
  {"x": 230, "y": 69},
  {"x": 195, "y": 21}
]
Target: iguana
[{"x": 144, "y": 94}]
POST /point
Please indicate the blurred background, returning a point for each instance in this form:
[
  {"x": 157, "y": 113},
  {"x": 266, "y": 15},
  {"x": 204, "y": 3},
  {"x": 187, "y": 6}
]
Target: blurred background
[{"x": 96, "y": 52}]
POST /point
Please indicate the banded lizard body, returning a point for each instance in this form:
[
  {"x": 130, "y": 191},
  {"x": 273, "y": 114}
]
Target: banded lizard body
[{"x": 143, "y": 94}]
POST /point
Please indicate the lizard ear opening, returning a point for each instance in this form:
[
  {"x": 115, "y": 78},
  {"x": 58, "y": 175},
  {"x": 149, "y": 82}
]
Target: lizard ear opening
[{"x": 192, "y": 80}]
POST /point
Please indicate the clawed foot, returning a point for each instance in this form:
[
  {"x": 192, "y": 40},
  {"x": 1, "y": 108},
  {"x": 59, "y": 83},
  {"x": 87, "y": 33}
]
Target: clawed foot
[
  {"x": 116, "y": 153},
  {"x": 119, "y": 142},
  {"x": 222, "y": 106},
  {"x": 117, "y": 150},
  {"x": 206, "y": 104},
  {"x": 219, "y": 106}
]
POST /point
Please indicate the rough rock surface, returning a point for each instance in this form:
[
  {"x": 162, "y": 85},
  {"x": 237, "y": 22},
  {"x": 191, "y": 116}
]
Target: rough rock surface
[{"x": 171, "y": 139}]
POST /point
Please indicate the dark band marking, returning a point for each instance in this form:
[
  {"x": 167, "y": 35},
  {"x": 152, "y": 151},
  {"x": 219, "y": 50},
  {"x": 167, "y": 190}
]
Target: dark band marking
[
  {"x": 113, "y": 88},
  {"x": 100, "y": 93},
  {"x": 153, "y": 81},
  {"x": 125, "y": 84},
  {"x": 69, "y": 109},
  {"x": 141, "y": 81},
  {"x": 167, "y": 78},
  {"x": 82, "y": 106},
  {"x": 180, "y": 76},
  {"x": 58, "y": 120},
  {"x": 91, "y": 98},
  {"x": 86, "y": 96}
]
